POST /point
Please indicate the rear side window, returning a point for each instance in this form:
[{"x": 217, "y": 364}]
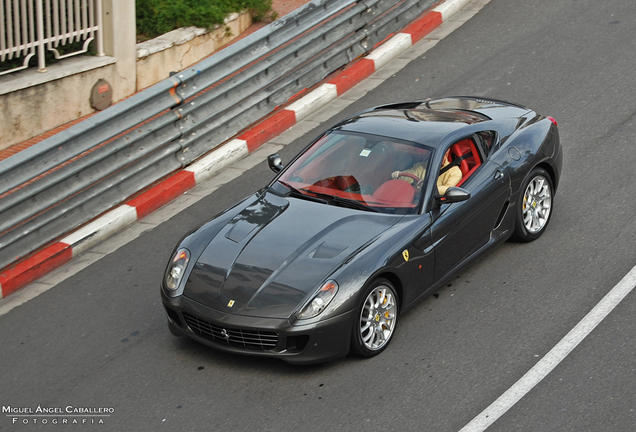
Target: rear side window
[{"x": 487, "y": 140}]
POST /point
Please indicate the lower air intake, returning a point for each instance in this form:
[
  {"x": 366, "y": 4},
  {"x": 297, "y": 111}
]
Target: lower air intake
[{"x": 251, "y": 339}]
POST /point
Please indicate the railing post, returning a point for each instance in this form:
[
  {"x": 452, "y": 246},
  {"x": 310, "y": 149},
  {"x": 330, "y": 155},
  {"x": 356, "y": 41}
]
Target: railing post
[
  {"x": 39, "y": 18},
  {"x": 100, "y": 30}
]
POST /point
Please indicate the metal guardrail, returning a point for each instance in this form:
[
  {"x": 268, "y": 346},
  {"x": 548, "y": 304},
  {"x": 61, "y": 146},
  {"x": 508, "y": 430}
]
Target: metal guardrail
[{"x": 68, "y": 179}]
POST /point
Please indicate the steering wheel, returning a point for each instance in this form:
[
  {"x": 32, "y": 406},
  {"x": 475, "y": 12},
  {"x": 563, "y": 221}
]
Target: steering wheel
[{"x": 415, "y": 178}]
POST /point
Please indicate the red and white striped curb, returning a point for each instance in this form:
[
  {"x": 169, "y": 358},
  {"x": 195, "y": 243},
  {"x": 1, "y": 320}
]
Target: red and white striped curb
[{"x": 51, "y": 257}]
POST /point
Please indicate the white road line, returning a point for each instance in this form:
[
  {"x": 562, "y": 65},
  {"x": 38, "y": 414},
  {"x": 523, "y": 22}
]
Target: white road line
[{"x": 555, "y": 356}]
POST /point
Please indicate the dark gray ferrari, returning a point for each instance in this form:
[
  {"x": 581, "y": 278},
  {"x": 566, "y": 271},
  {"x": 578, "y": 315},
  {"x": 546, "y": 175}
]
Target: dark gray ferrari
[{"x": 374, "y": 215}]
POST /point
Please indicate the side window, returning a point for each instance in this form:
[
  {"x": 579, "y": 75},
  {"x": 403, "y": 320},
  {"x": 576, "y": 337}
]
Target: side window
[
  {"x": 487, "y": 141},
  {"x": 464, "y": 157}
]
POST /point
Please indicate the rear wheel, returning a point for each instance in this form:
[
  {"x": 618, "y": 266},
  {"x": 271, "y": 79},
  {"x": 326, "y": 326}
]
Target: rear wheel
[
  {"x": 375, "y": 319},
  {"x": 535, "y": 206}
]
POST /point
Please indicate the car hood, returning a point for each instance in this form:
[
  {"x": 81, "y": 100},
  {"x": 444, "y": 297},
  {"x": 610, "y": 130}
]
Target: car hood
[{"x": 276, "y": 252}]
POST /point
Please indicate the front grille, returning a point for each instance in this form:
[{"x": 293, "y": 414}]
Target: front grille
[{"x": 252, "y": 339}]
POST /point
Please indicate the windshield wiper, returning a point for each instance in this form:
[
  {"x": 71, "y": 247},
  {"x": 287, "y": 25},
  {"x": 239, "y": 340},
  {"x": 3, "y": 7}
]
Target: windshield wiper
[
  {"x": 298, "y": 194},
  {"x": 354, "y": 204},
  {"x": 345, "y": 202}
]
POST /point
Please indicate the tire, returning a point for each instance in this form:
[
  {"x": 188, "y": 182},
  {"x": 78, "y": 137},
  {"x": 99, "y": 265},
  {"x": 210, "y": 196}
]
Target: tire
[
  {"x": 375, "y": 319},
  {"x": 535, "y": 206}
]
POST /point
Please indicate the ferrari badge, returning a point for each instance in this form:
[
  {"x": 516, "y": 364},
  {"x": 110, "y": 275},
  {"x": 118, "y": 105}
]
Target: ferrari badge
[
  {"x": 231, "y": 303},
  {"x": 405, "y": 255}
]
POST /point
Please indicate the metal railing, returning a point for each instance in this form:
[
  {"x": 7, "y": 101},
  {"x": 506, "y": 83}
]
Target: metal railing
[
  {"x": 30, "y": 27},
  {"x": 66, "y": 180}
]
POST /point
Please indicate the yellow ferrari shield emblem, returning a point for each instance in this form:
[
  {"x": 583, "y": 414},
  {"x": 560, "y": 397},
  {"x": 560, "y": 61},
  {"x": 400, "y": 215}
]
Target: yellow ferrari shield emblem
[
  {"x": 405, "y": 255},
  {"x": 231, "y": 303}
]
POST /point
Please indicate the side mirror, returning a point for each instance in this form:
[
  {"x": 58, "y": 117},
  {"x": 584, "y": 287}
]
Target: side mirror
[
  {"x": 454, "y": 194},
  {"x": 275, "y": 162}
]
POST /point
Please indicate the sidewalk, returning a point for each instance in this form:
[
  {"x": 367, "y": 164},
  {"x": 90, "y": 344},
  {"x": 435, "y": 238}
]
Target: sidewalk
[{"x": 281, "y": 7}]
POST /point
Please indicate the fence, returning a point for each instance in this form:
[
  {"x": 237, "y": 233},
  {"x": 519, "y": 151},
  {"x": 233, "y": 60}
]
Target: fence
[
  {"x": 30, "y": 26},
  {"x": 105, "y": 159}
]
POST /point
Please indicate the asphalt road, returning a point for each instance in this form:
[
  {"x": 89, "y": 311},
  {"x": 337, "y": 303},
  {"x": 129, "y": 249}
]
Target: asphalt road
[{"x": 99, "y": 338}]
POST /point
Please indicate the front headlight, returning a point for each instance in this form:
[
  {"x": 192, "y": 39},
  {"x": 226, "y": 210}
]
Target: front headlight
[
  {"x": 321, "y": 300},
  {"x": 176, "y": 269}
]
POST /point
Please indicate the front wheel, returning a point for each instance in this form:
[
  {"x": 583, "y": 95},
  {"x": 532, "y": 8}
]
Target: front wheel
[
  {"x": 375, "y": 319},
  {"x": 535, "y": 206}
]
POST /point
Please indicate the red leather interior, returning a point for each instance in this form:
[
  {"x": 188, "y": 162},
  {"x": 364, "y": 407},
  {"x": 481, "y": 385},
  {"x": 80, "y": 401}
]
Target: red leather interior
[
  {"x": 465, "y": 176},
  {"x": 396, "y": 192},
  {"x": 337, "y": 182},
  {"x": 470, "y": 164}
]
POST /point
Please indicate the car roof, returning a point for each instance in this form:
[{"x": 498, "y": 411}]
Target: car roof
[
  {"x": 430, "y": 121},
  {"x": 420, "y": 125}
]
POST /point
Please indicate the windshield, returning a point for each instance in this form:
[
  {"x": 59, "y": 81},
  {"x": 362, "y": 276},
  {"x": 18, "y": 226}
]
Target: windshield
[{"x": 364, "y": 171}]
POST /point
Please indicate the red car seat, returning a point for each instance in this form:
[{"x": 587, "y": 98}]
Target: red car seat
[{"x": 466, "y": 150}]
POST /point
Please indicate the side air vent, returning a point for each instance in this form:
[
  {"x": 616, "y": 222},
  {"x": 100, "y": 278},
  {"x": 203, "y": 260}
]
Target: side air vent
[{"x": 502, "y": 215}]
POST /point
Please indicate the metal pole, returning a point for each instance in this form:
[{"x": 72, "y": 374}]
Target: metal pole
[
  {"x": 40, "y": 27},
  {"x": 100, "y": 29}
]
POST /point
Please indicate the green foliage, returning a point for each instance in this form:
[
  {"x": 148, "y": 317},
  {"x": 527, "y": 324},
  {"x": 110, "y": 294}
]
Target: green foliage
[{"x": 156, "y": 17}]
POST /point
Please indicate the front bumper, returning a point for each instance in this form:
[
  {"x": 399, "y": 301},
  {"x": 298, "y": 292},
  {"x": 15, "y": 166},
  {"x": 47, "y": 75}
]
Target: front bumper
[{"x": 266, "y": 337}]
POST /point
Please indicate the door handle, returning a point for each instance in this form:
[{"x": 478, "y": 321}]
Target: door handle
[{"x": 499, "y": 175}]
